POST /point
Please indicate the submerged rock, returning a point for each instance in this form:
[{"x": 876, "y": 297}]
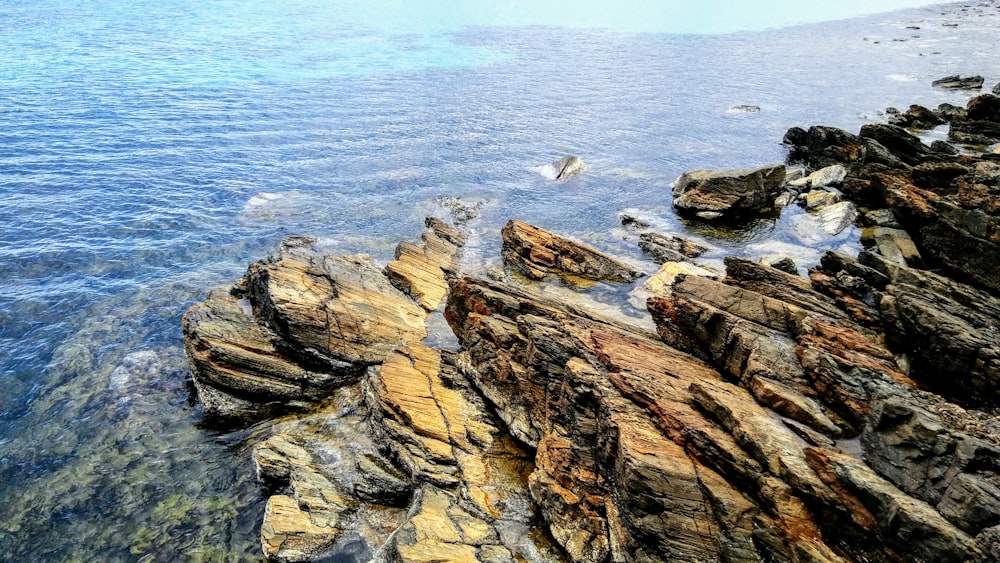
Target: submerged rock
[{"x": 728, "y": 192}]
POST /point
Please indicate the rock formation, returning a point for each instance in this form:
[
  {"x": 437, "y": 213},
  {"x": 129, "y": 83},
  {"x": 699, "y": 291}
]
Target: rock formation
[
  {"x": 769, "y": 417},
  {"x": 712, "y": 194}
]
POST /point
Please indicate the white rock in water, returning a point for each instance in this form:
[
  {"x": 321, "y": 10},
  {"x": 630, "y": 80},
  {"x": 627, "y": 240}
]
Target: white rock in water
[
  {"x": 829, "y": 176},
  {"x": 837, "y": 217},
  {"x": 568, "y": 166}
]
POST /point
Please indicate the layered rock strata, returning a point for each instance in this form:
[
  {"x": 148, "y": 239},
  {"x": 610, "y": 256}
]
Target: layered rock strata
[{"x": 770, "y": 417}]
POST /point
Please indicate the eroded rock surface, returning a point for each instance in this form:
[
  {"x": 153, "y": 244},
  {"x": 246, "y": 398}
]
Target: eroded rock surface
[
  {"x": 717, "y": 193},
  {"x": 538, "y": 253}
]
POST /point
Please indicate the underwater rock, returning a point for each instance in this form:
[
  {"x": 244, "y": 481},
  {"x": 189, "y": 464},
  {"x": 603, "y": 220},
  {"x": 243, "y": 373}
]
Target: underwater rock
[
  {"x": 728, "y": 192},
  {"x": 538, "y": 253}
]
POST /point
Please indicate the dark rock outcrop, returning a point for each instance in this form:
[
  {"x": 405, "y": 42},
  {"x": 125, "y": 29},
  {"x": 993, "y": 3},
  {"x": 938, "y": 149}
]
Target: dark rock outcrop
[
  {"x": 955, "y": 81},
  {"x": 712, "y": 194}
]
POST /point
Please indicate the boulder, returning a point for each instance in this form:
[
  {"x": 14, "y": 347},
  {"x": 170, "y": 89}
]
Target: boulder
[
  {"x": 728, "y": 192},
  {"x": 985, "y": 107},
  {"x": 538, "y": 253},
  {"x": 917, "y": 117},
  {"x": 902, "y": 144},
  {"x": 781, "y": 262},
  {"x": 568, "y": 166},
  {"x": 837, "y": 217},
  {"x": 996, "y": 89},
  {"x": 829, "y": 176},
  {"x": 955, "y": 81},
  {"x": 662, "y": 248}
]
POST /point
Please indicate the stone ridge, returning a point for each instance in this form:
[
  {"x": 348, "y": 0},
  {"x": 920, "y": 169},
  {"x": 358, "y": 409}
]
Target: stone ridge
[{"x": 769, "y": 417}]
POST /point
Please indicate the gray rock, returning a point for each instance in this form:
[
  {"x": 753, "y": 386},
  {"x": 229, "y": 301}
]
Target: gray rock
[
  {"x": 882, "y": 218},
  {"x": 568, "y": 166},
  {"x": 837, "y": 217},
  {"x": 829, "y": 176},
  {"x": 944, "y": 147},
  {"x": 781, "y": 262},
  {"x": 996, "y": 89}
]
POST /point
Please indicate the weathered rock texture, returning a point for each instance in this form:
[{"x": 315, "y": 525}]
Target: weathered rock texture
[
  {"x": 718, "y": 193},
  {"x": 770, "y": 417},
  {"x": 538, "y": 253}
]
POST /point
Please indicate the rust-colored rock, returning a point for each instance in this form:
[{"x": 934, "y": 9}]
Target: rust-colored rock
[{"x": 537, "y": 253}]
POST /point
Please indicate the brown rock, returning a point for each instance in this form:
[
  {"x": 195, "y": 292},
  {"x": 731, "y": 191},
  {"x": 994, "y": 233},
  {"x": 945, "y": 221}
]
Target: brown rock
[
  {"x": 728, "y": 192},
  {"x": 537, "y": 253},
  {"x": 420, "y": 270}
]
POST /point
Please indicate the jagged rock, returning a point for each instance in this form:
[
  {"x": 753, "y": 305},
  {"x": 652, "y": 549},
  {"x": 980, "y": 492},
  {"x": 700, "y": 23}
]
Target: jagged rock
[
  {"x": 562, "y": 378},
  {"x": 954, "y": 81},
  {"x": 346, "y": 498},
  {"x": 906, "y": 524},
  {"x": 728, "y": 192},
  {"x": 568, "y": 166},
  {"x": 661, "y": 283},
  {"x": 902, "y": 144},
  {"x": 537, "y": 253},
  {"x": 971, "y": 132},
  {"x": 917, "y": 117},
  {"x": 996, "y": 89},
  {"x": 335, "y": 311},
  {"x": 633, "y": 222},
  {"x": 781, "y": 262},
  {"x": 817, "y": 199},
  {"x": 669, "y": 248},
  {"x": 829, "y": 176},
  {"x": 239, "y": 370},
  {"x": 837, "y": 217},
  {"x": 420, "y": 270},
  {"x": 820, "y": 147}
]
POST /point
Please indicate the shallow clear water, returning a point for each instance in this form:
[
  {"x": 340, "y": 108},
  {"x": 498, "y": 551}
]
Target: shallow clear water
[{"x": 148, "y": 152}]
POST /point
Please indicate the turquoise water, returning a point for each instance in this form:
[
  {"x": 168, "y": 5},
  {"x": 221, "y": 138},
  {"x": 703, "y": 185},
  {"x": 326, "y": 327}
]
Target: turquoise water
[{"x": 151, "y": 150}]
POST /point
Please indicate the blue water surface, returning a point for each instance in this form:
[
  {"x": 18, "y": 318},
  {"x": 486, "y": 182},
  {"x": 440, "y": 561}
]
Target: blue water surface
[{"x": 150, "y": 150}]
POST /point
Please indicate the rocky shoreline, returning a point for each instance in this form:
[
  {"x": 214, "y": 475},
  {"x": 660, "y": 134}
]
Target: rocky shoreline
[{"x": 849, "y": 415}]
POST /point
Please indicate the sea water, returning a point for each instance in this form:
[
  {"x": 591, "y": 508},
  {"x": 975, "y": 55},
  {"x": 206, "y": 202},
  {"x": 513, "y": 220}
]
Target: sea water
[{"x": 150, "y": 150}]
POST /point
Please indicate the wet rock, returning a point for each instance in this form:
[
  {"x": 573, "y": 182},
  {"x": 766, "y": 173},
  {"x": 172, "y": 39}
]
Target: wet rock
[
  {"x": 633, "y": 222},
  {"x": 662, "y": 248},
  {"x": 568, "y": 166},
  {"x": 781, "y": 262},
  {"x": 239, "y": 369},
  {"x": 821, "y": 146},
  {"x": 898, "y": 141},
  {"x": 837, "y": 217},
  {"x": 917, "y": 117},
  {"x": 728, "y": 192},
  {"x": 744, "y": 109},
  {"x": 973, "y": 132},
  {"x": 897, "y": 246},
  {"x": 996, "y": 89},
  {"x": 955, "y": 81},
  {"x": 537, "y": 253},
  {"x": 951, "y": 111}
]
